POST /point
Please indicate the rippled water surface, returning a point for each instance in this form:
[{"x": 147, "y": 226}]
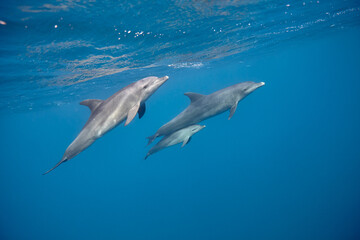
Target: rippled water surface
[{"x": 49, "y": 47}]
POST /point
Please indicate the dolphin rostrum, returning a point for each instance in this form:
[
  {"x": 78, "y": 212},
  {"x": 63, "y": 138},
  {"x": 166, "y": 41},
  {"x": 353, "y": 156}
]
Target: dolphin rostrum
[
  {"x": 207, "y": 106},
  {"x": 182, "y": 135},
  {"x": 107, "y": 114}
]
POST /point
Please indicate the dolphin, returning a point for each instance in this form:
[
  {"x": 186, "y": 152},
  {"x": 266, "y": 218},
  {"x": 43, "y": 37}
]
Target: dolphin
[
  {"x": 182, "y": 135},
  {"x": 107, "y": 114},
  {"x": 206, "y": 106}
]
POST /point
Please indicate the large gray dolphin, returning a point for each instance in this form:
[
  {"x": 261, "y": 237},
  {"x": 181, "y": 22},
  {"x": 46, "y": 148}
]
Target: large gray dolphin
[
  {"x": 207, "y": 106},
  {"x": 107, "y": 114},
  {"x": 183, "y": 135}
]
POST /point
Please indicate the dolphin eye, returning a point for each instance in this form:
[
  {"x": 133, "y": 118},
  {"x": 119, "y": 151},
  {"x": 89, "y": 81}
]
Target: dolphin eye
[{"x": 145, "y": 86}]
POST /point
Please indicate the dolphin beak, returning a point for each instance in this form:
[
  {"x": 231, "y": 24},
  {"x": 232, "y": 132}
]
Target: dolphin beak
[
  {"x": 164, "y": 78},
  {"x": 254, "y": 87},
  {"x": 260, "y": 84},
  {"x": 257, "y": 85},
  {"x": 161, "y": 80}
]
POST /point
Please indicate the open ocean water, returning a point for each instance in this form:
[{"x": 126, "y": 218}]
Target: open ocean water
[{"x": 286, "y": 166}]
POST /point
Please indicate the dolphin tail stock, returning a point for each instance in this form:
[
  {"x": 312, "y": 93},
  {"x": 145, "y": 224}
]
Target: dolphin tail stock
[
  {"x": 152, "y": 138},
  {"x": 61, "y": 161}
]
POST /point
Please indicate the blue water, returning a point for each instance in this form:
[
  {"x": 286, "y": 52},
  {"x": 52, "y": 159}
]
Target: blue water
[{"x": 286, "y": 166}]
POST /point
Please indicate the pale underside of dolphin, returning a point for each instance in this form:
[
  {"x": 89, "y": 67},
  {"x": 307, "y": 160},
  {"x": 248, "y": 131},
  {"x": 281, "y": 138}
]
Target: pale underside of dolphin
[
  {"x": 107, "y": 114},
  {"x": 206, "y": 106},
  {"x": 181, "y": 136}
]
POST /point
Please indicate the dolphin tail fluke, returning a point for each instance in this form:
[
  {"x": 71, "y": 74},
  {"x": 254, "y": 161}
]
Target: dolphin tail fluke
[
  {"x": 147, "y": 155},
  {"x": 152, "y": 138},
  {"x": 62, "y": 160}
]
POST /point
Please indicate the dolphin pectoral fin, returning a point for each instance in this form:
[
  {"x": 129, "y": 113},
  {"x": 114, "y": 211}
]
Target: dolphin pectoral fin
[
  {"x": 91, "y": 103},
  {"x": 186, "y": 141},
  {"x": 193, "y": 96},
  {"x": 232, "y": 110},
  {"x": 132, "y": 113},
  {"x": 142, "y": 110}
]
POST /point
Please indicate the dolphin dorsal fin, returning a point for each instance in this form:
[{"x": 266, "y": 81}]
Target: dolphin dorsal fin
[
  {"x": 193, "y": 96},
  {"x": 91, "y": 103}
]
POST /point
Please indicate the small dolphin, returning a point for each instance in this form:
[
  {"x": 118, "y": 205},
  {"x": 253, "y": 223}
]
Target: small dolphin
[
  {"x": 107, "y": 114},
  {"x": 207, "y": 106},
  {"x": 182, "y": 135}
]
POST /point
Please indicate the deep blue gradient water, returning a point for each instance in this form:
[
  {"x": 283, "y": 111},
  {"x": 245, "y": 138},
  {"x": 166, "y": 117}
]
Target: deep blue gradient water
[{"x": 286, "y": 166}]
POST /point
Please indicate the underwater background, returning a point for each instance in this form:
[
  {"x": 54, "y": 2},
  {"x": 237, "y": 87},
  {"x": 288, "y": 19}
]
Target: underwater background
[{"x": 286, "y": 166}]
